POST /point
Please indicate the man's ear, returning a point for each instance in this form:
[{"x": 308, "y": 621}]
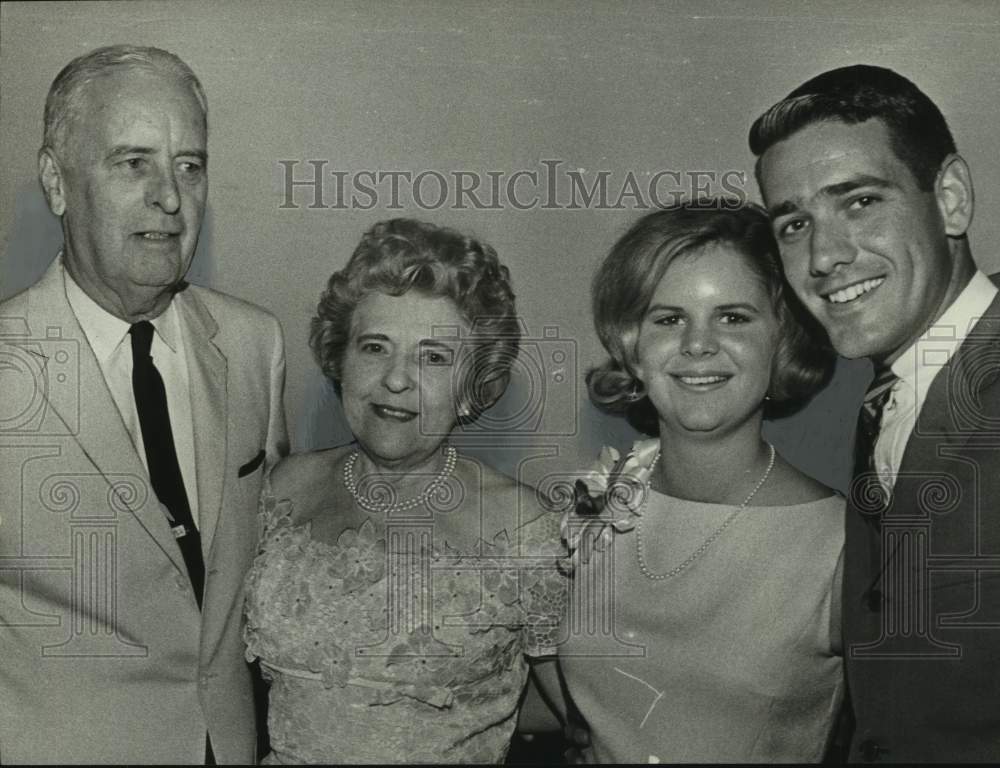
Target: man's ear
[
  {"x": 955, "y": 198},
  {"x": 51, "y": 177}
]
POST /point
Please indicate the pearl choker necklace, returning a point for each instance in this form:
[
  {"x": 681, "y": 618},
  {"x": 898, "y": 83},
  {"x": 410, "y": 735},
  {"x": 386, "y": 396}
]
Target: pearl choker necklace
[
  {"x": 708, "y": 542},
  {"x": 367, "y": 503}
]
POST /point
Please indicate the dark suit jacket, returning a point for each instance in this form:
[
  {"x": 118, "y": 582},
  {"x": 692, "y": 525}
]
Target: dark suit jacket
[{"x": 921, "y": 605}]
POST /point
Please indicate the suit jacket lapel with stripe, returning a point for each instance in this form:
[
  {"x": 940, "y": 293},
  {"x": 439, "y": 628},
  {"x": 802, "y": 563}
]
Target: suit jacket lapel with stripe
[
  {"x": 207, "y": 376},
  {"x": 100, "y": 431}
]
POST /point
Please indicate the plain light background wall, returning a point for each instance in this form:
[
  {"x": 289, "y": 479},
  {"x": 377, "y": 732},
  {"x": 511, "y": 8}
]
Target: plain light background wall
[{"x": 634, "y": 87}]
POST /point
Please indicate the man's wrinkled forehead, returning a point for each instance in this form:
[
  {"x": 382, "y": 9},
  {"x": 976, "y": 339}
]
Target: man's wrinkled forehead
[
  {"x": 105, "y": 96},
  {"x": 828, "y": 158}
]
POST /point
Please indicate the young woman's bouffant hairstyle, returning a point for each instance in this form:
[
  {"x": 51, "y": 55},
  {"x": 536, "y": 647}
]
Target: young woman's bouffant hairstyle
[
  {"x": 627, "y": 279},
  {"x": 401, "y": 255}
]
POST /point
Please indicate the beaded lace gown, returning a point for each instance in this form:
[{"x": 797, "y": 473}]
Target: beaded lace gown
[{"x": 392, "y": 647}]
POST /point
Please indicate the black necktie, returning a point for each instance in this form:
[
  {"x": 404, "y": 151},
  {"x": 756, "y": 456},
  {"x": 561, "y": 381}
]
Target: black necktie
[{"x": 161, "y": 457}]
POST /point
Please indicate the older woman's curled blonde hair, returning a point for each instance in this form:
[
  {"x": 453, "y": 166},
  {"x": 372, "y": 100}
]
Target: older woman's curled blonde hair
[{"x": 401, "y": 255}]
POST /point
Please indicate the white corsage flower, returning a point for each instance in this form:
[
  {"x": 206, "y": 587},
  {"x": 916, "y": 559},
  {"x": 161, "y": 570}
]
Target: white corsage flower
[{"x": 608, "y": 498}]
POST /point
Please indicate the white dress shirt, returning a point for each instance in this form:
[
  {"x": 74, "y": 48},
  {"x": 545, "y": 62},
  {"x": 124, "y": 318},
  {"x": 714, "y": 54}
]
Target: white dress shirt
[
  {"x": 112, "y": 346},
  {"x": 918, "y": 366}
]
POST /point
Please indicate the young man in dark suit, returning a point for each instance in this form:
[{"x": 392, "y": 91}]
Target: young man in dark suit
[{"x": 871, "y": 205}]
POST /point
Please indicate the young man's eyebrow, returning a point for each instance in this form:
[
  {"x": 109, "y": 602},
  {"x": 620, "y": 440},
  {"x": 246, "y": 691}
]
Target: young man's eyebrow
[
  {"x": 845, "y": 187},
  {"x": 786, "y": 207}
]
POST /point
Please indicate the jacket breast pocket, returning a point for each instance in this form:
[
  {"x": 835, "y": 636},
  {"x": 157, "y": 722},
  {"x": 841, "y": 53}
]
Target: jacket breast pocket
[{"x": 253, "y": 465}]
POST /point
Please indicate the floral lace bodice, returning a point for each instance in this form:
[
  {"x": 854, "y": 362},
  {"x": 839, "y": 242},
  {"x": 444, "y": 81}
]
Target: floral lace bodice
[{"x": 401, "y": 652}]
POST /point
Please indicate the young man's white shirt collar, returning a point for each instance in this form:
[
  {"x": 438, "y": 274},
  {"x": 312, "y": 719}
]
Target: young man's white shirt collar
[{"x": 917, "y": 368}]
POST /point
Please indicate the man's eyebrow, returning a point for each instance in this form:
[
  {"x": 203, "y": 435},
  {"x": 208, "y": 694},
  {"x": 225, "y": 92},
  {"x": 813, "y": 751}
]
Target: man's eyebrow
[
  {"x": 782, "y": 209},
  {"x": 201, "y": 154},
  {"x": 121, "y": 150},
  {"x": 856, "y": 182},
  {"x": 833, "y": 190}
]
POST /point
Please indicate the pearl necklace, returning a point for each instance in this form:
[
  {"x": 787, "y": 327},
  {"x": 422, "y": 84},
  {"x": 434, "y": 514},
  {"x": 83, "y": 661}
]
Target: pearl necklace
[
  {"x": 363, "y": 501},
  {"x": 708, "y": 542}
]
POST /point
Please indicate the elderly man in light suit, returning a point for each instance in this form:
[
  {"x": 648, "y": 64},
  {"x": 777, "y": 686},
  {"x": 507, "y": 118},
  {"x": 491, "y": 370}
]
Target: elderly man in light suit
[{"x": 139, "y": 415}]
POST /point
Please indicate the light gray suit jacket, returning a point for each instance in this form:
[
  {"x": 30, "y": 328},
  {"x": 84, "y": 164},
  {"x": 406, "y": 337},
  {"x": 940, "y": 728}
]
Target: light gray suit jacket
[{"x": 104, "y": 655}]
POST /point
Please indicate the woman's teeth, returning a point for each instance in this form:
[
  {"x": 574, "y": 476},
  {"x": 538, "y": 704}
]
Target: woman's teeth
[
  {"x": 694, "y": 380},
  {"x": 394, "y": 413}
]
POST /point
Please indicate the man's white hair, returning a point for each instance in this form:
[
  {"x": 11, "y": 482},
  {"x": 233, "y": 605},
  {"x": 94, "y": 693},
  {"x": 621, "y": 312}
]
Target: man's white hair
[{"x": 64, "y": 103}]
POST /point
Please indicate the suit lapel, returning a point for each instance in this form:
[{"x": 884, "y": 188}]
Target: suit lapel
[
  {"x": 97, "y": 427},
  {"x": 951, "y": 415},
  {"x": 207, "y": 375}
]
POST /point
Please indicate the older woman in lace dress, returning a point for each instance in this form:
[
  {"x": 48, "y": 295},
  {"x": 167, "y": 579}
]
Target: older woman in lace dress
[{"x": 398, "y": 588}]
